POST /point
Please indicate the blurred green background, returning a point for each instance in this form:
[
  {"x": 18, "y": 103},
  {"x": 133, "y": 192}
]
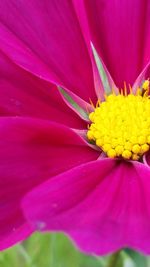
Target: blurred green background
[{"x": 56, "y": 250}]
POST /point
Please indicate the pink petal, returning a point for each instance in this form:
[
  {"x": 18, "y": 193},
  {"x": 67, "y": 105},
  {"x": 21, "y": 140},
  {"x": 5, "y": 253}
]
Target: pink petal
[
  {"x": 15, "y": 234},
  {"x": 30, "y": 152},
  {"x": 120, "y": 33},
  {"x": 23, "y": 94},
  {"x": 48, "y": 42},
  {"x": 81, "y": 14},
  {"x": 102, "y": 205}
]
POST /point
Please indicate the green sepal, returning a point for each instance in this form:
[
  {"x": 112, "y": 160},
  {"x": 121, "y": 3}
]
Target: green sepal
[
  {"x": 70, "y": 100},
  {"x": 101, "y": 70}
]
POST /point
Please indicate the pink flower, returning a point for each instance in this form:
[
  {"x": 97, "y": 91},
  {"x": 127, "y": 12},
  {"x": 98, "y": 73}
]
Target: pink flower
[{"x": 51, "y": 177}]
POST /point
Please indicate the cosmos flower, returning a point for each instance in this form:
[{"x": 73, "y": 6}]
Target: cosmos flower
[{"x": 74, "y": 149}]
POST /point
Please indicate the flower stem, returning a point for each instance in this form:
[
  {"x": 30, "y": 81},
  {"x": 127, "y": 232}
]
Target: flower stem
[{"x": 114, "y": 259}]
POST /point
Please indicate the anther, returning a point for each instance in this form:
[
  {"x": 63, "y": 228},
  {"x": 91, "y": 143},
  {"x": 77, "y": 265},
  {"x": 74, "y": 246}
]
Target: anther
[{"x": 120, "y": 125}]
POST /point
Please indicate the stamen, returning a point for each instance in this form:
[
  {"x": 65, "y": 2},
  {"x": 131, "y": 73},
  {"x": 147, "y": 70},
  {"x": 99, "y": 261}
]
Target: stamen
[{"x": 120, "y": 125}]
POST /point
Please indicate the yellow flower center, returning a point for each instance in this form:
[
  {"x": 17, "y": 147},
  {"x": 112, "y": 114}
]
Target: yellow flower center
[{"x": 120, "y": 126}]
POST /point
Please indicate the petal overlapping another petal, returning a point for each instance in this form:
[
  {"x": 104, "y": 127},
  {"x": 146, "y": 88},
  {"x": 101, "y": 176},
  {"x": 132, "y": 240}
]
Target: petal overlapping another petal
[
  {"x": 102, "y": 205},
  {"x": 23, "y": 94},
  {"x": 31, "y": 152},
  {"x": 48, "y": 42},
  {"x": 80, "y": 10},
  {"x": 120, "y": 33}
]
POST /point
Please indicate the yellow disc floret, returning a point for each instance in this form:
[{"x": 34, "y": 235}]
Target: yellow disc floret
[{"x": 120, "y": 126}]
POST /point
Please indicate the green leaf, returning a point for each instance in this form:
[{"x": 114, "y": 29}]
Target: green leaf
[
  {"x": 69, "y": 99},
  {"x": 101, "y": 70},
  {"x": 115, "y": 260},
  {"x": 56, "y": 250},
  {"x": 139, "y": 259}
]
